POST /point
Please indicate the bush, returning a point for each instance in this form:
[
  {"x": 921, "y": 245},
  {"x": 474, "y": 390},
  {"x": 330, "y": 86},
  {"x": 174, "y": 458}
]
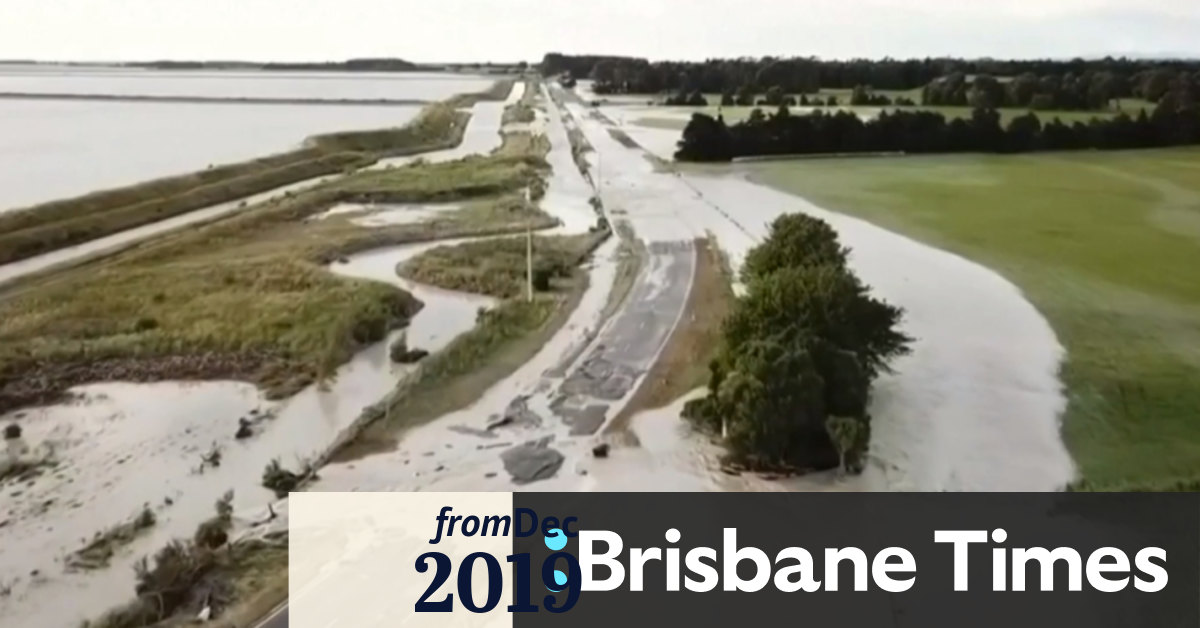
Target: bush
[
  {"x": 282, "y": 481},
  {"x": 12, "y": 431},
  {"x": 795, "y": 240},
  {"x": 798, "y": 354},
  {"x": 214, "y": 532}
]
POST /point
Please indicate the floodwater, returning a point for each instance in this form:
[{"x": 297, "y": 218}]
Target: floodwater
[
  {"x": 453, "y": 452},
  {"x": 976, "y": 405},
  {"x": 568, "y": 193},
  {"x": 384, "y": 214},
  {"x": 59, "y": 149},
  {"x": 446, "y": 313},
  {"x": 482, "y": 136},
  {"x": 427, "y": 86},
  {"x": 129, "y": 445}
]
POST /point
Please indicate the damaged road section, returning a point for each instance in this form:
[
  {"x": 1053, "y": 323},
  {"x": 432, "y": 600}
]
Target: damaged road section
[
  {"x": 532, "y": 461},
  {"x": 632, "y": 341}
]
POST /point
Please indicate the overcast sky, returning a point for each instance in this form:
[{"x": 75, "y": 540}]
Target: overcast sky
[{"x": 505, "y": 30}]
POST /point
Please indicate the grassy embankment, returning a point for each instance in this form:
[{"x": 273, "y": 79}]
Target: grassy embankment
[
  {"x": 56, "y": 224},
  {"x": 249, "y": 297},
  {"x": 1106, "y": 245}
]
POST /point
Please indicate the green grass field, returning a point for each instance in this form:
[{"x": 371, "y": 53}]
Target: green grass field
[{"x": 1106, "y": 245}]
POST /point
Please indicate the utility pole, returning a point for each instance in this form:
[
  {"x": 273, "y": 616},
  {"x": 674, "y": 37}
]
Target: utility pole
[
  {"x": 529, "y": 262},
  {"x": 528, "y": 253}
]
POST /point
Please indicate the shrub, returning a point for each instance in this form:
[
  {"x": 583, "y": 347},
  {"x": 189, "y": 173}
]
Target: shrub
[
  {"x": 846, "y": 434},
  {"x": 214, "y": 532},
  {"x": 282, "y": 481}
]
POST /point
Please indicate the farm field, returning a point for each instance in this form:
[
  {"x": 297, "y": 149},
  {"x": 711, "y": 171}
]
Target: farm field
[{"x": 1107, "y": 246}]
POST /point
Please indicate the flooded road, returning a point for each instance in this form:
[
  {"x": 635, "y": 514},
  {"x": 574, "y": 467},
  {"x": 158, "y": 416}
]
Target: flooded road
[{"x": 975, "y": 407}]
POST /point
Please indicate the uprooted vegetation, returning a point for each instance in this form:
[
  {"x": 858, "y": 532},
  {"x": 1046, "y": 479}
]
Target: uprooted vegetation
[
  {"x": 283, "y": 481},
  {"x": 186, "y": 576},
  {"x": 97, "y": 553},
  {"x": 791, "y": 380},
  {"x": 249, "y": 297},
  {"x": 52, "y": 225}
]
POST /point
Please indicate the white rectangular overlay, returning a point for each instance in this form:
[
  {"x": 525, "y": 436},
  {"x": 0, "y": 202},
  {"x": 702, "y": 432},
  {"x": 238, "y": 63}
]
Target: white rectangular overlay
[{"x": 352, "y": 559}]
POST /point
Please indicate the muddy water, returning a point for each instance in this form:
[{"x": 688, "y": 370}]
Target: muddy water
[
  {"x": 446, "y": 313},
  {"x": 129, "y": 445},
  {"x": 568, "y": 193},
  {"x": 481, "y": 136},
  {"x": 455, "y": 451},
  {"x": 135, "y": 444},
  {"x": 238, "y": 83},
  {"x": 61, "y": 149},
  {"x": 976, "y": 406},
  {"x": 385, "y": 214}
]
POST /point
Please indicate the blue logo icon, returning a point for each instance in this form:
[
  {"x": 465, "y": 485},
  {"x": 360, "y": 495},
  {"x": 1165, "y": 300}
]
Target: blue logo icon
[{"x": 556, "y": 539}]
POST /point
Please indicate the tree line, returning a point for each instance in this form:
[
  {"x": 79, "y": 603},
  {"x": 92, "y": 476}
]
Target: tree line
[
  {"x": 791, "y": 379},
  {"x": 1074, "y": 84},
  {"x": 775, "y": 97},
  {"x": 1090, "y": 90},
  {"x": 1175, "y": 121}
]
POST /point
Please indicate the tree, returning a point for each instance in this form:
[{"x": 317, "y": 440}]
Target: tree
[
  {"x": 1021, "y": 90},
  {"x": 1023, "y": 133},
  {"x": 705, "y": 139},
  {"x": 801, "y": 345},
  {"x": 773, "y": 97},
  {"x": 986, "y": 93},
  {"x": 1176, "y": 121},
  {"x": 745, "y": 96},
  {"x": 844, "y": 432},
  {"x": 770, "y": 404},
  {"x": 794, "y": 240}
]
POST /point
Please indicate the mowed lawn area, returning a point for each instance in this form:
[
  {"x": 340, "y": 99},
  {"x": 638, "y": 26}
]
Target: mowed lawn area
[{"x": 1106, "y": 245}]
